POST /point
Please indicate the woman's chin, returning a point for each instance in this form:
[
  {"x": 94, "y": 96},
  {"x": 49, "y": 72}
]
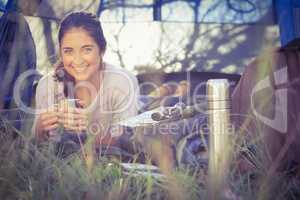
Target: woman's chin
[{"x": 81, "y": 78}]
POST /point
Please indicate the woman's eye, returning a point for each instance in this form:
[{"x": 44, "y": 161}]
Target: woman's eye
[
  {"x": 87, "y": 50},
  {"x": 68, "y": 51}
]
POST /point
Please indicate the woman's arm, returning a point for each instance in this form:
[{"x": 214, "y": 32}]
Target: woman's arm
[
  {"x": 45, "y": 116},
  {"x": 122, "y": 94}
]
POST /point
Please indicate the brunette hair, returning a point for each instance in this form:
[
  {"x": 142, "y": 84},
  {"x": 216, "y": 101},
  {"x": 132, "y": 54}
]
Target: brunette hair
[{"x": 92, "y": 26}]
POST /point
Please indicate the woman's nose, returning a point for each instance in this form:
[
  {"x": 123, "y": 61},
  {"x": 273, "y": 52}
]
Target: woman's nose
[{"x": 78, "y": 60}]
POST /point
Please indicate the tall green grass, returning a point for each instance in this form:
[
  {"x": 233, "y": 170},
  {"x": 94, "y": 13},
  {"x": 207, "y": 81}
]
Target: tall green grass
[{"x": 29, "y": 171}]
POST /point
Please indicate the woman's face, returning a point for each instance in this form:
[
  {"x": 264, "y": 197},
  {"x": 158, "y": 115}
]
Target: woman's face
[{"x": 80, "y": 54}]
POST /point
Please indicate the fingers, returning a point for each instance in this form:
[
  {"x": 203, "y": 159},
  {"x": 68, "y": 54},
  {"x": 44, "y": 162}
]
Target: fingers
[
  {"x": 75, "y": 128},
  {"x": 62, "y": 114},
  {"x": 74, "y": 125},
  {"x": 46, "y": 122},
  {"x": 51, "y": 127},
  {"x": 47, "y": 115},
  {"x": 72, "y": 116},
  {"x": 74, "y": 122},
  {"x": 49, "y": 120},
  {"x": 70, "y": 119}
]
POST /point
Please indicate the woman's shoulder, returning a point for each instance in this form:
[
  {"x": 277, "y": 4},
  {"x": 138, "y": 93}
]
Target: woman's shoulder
[
  {"x": 116, "y": 69},
  {"x": 119, "y": 75}
]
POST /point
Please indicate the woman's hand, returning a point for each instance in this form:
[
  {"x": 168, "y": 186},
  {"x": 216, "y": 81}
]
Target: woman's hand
[
  {"x": 72, "y": 119},
  {"x": 46, "y": 122}
]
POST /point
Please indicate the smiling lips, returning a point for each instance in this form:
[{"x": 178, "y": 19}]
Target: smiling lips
[{"x": 79, "y": 69}]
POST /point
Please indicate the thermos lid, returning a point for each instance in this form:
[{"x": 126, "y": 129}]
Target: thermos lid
[{"x": 218, "y": 94}]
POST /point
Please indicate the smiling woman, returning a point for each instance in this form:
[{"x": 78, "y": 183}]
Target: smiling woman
[
  {"x": 81, "y": 56},
  {"x": 101, "y": 94}
]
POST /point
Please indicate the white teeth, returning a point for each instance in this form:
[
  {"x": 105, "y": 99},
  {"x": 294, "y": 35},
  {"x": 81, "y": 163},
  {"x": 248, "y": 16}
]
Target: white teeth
[{"x": 80, "y": 69}]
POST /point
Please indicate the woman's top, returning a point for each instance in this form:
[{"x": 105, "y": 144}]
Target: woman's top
[{"x": 116, "y": 100}]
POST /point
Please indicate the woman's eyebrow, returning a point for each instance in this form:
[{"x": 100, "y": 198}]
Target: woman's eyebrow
[
  {"x": 67, "y": 48},
  {"x": 88, "y": 45}
]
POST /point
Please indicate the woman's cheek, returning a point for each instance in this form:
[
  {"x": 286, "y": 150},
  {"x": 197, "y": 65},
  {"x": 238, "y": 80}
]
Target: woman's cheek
[
  {"x": 67, "y": 61},
  {"x": 88, "y": 58}
]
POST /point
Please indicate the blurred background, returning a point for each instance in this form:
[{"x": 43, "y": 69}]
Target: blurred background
[{"x": 161, "y": 35}]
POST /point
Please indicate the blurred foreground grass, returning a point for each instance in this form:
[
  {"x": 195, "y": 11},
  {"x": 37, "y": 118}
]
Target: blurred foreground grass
[{"x": 31, "y": 172}]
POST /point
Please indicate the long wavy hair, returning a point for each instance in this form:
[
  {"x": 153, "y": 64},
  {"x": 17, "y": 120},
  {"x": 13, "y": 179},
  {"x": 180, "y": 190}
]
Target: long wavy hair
[{"x": 92, "y": 26}]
